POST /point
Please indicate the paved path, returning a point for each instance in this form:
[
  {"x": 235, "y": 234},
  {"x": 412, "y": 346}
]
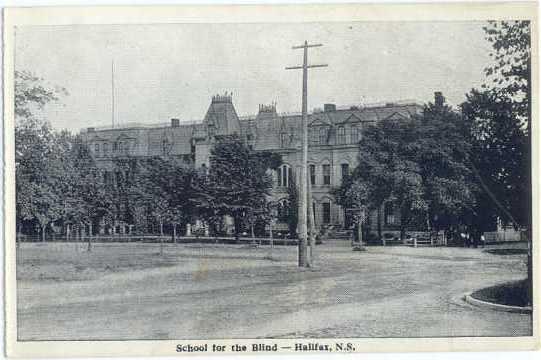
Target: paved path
[{"x": 234, "y": 292}]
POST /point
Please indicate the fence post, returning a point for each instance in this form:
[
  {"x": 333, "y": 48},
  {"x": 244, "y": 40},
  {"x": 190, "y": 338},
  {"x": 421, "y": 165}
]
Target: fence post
[{"x": 415, "y": 241}]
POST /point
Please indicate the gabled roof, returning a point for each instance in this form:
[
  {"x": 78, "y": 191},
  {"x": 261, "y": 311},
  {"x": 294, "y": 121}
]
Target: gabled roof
[
  {"x": 396, "y": 115},
  {"x": 319, "y": 122}
]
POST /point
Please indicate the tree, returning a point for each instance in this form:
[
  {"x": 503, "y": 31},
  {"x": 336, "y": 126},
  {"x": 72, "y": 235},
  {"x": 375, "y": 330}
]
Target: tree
[
  {"x": 442, "y": 153},
  {"x": 31, "y": 95},
  {"x": 419, "y": 164},
  {"x": 387, "y": 164},
  {"x": 292, "y": 210},
  {"x": 499, "y": 154},
  {"x": 38, "y": 167},
  {"x": 238, "y": 182},
  {"x": 510, "y": 74},
  {"x": 88, "y": 199},
  {"x": 37, "y": 157},
  {"x": 500, "y": 119},
  {"x": 354, "y": 194}
]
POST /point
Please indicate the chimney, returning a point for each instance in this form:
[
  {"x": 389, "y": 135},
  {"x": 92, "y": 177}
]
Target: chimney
[
  {"x": 439, "y": 100},
  {"x": 175, "y": 123},
  {"x": 329, "y": 107},
  {"x": 90, "y": 129}
]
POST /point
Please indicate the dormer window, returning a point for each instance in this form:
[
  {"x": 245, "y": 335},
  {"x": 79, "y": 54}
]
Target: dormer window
[
  {"x": 283, "y": 139},
  {"x": 211, "y": 130},
  {"x": 322, "y": 136},
  {"x": 355, "y": 134},
  {"x": 314, "y": 136},
  {"x": 341, "y": 135}
]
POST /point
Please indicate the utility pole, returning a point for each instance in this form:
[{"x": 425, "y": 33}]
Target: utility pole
[
  {"x": 113, "y": 93},
  {"x": 303, "y": 208}
]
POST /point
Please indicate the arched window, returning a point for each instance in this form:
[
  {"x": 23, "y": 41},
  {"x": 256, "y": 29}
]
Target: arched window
[
  {"x": 283, "y": 175},
  {"x": 341, "y": 135}
]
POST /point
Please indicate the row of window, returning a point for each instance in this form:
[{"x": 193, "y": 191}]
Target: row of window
[
  {"x": 284, "y": 174},
  {"x": 320, "y": 136},
  {"x": 117, "y": 146}
]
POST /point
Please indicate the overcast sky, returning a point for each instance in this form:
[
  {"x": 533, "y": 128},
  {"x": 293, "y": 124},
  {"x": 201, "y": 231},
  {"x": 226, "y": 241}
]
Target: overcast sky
[{"x": 166, "y": 71}]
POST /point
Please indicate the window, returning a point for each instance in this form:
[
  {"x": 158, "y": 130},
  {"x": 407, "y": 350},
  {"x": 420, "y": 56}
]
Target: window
[
  {"x": 97, "y": 148},
  {"x": 326, "y": 212},
  {"x": 211, "y": 130},
  {"x": 326, "y": 174},
  {"x": 345, "y": 171},
  {"x": 105, "y": 148},
  {"x": 283, "y": 139},
  {"x": 283, "y": 210},
  {"x": 314, "y": 136},
  {"x": 355, "y": 134},
  {"x": 312, "y": 174},
  {"x": 108, "y": 178},
  {"x": 322, "y": 136},
  {"x": 283, "y": 173},
  {"x": 341, "y": 135},
  {"x": 115, "y": 146},
  {"x": 389, "y": 213}
]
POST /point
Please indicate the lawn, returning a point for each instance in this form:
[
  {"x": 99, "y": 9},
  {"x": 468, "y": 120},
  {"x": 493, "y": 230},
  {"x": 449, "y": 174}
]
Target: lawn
[{"x": 128, "y": 291}]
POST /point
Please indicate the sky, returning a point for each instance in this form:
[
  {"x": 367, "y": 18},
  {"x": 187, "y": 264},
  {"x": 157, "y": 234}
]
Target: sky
[{"x": 165, "y": 71}]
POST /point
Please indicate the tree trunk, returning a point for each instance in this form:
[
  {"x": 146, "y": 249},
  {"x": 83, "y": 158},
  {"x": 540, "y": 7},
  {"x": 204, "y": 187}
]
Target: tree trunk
[
  {"x": 252, "y": 232},
  {"x": 89, "y": 249},
  {"x": 43, "y": 227},
  {"x": 161, "y": 237},
  {"x": 271, "y": 239},
  {"x": 175, "y": 233},
  {"x": 236, "y": 226},
  {"x": 360, "y": 229},
  {"x": 379, "y": 223}
]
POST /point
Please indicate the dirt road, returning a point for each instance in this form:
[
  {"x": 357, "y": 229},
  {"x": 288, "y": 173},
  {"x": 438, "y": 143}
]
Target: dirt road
[{"x": 127, "y": 291}]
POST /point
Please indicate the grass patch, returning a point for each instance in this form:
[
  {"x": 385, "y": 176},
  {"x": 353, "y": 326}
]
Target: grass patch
[
  {"x": 513, "y": 293},
  {"x": 507, "y": 251}
]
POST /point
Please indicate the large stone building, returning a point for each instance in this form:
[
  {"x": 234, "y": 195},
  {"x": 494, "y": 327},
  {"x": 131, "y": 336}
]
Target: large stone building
[{"x": 333, "y": 151}]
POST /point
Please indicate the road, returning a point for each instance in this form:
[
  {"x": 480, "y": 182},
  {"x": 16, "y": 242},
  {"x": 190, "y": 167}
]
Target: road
[{"x": 127, "y": 291}]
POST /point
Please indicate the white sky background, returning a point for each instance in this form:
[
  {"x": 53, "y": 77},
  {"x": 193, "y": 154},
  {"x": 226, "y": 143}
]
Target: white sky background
[{"x": 165, "y": 71}]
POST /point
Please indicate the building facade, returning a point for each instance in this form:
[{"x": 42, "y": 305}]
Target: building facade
[{"x": 333, "y": 151}]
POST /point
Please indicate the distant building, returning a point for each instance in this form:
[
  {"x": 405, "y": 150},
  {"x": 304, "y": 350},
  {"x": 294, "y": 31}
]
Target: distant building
[{"x": 333, "y": 136}]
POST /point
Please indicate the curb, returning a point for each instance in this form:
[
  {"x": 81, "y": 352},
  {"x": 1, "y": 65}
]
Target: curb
[{"x": 498, "y": 307}]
